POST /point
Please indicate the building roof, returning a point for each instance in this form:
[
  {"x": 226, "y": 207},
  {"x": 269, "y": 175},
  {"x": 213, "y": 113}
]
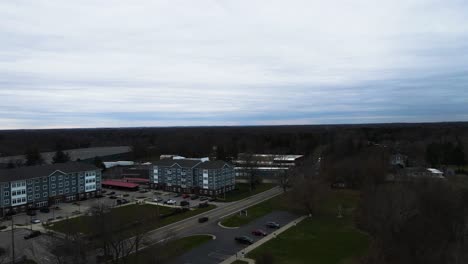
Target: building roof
[
  {"x": 119, "y": 184},
  {"x": 110, "y": 164},
  {"x": 142, "y": 180},
  {"x": 215, "y": 164},
  {"x": 182, "y": 163},
  {"x": 30, "y": 172}
]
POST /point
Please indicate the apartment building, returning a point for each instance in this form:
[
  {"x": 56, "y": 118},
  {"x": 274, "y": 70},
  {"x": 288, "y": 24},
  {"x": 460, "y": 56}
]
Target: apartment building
[
  {"x": 198, "y": 176},
  {"x": 265, "y": 165},
  {"x": 41, "y": 186}
]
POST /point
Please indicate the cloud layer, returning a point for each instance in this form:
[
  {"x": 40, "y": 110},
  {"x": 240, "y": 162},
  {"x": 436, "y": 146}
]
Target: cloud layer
[{"x": 162, "y": 63}]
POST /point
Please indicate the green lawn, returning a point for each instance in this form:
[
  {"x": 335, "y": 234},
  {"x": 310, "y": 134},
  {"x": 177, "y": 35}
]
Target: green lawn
[
  {"x": 243, "y": 191},
  {"x": 256, "y": 211},
  {"x": 323, "y": 239},
  {"x": 126, "y": 215},
  {"x": 164, "y": 252}
]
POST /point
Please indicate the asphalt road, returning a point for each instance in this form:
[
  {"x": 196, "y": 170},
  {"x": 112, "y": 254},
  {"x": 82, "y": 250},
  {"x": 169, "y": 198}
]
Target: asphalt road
[{"x": 224, "y": 245}]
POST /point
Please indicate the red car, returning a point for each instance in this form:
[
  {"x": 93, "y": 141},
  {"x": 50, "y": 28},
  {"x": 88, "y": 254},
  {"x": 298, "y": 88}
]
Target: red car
[
  {"x": 185, "y": 196},
  {"x": 259, "y": 232}
]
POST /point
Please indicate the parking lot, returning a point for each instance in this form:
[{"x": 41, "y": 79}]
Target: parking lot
[{"x": 64, "y": 210}]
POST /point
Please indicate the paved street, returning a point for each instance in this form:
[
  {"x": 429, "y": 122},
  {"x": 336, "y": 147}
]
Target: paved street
[{"x": 224, "y": 245}]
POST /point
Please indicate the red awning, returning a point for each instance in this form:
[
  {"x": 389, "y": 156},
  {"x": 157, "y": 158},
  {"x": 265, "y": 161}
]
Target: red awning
[{"x": 119, "y": 184}]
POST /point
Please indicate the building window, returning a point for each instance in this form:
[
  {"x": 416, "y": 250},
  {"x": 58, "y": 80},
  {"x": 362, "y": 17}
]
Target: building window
[
  {"x": 53, "y": 193},
  {"x": 60, "y": 184},
  {"x": 44, "y": 187},
  {"x": 52, "y": 178},
  {"x": 7, "y": 201},
  {"x": 6, "y": 193},
  {"x": 44, "y": 195},
  {"x": 60, "y": 192},
  {"x": 44, "y": 179},
  {"x": 36, "y": 188},
  {"x": 67, "y": 183},
  {"x": 66, "y": 190},
  {"x": 37, "y": 196},
  {"x": 53, "y": 185},
  {"x": 73, "y": 182},
  {"x": 73, "y": 189},
  {"x": 60, "y": 177}
]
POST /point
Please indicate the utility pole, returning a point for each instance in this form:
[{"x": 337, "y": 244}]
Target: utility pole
[{"x": 12, "y": 240}]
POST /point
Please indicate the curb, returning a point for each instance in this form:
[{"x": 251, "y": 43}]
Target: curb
[{"x": 227, "y": 227}]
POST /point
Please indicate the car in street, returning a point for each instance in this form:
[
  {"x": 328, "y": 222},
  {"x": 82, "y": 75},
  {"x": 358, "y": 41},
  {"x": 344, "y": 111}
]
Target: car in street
[
  {"x": 273, "y": 225},
  {"x": 204, "y": 198},
  {"x": 170, "y": 202},
  {"x": 44, "y": 210},
  {"x": 184, "y": 203},
  {"x": 35, "y": 221},
  {"x": 244, "y": 240},
  {"x": 259, "y": 232},
  {"x": 194, "y": 197},
  {"x": 203, "y": 219},
  {"x": 185, "y": 196},
  {"x": 33, "y": 234}
]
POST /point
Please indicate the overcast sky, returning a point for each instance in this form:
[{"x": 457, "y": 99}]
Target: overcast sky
[{"x": 182, "y": 63}]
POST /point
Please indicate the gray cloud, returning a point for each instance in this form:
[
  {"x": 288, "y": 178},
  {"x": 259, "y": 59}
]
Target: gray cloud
[{"x": 144, "y": 63}]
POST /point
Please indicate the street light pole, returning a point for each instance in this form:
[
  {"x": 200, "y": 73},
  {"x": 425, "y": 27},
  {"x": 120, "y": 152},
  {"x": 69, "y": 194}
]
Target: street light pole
[{"x": 12, "y": 239}]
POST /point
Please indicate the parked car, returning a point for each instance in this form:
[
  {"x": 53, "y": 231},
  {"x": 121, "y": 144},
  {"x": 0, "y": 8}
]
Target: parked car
[
  {"x": 158, "y": 199},
  {"x": 44, "y": 210},
  {"x": 111, "y": 193},
  {"x": 33, "y": 234},
  {"x": 203, "y": 219},
  {"x": 125, "y": 201},
  {"x": 119, "y": 202},
  {"x": 36, "y": 221},
  {"x": 273, "y": 225},
  {"x": 194, "y": 197},
  {"x": 212, "y": 199},
  {"x": 203, "y": 205},
  {"x": 31, "y": 212},
  {"x": 113, "y": 197},
  {"x": 76, "y": 203},
  {"x": 126, "y": 195},
  {"x": 103, "y": 191},
  {"x": 57, "y": 208},
  {"x": 177, "y": 195},
  {"x": 76, "y": 212},
  {"x": 185, "y": 196},
  {"x": 184, "y": 203},
  {"x": 259, "y": 232},
  {"x": 59, "y": 217},
  {"x": 170, "y": 202},
  {"x": 143, "y": 191},
  {"x": 204, "y": 198},
  {"x": 244, "y": 240}
]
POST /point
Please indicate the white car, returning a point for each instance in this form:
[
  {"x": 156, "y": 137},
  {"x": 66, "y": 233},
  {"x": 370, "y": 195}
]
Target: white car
[
  {"x": 157, "y": 200},
  {"x": 36, "y": 221},
  {"x": 171, "y": 202}
]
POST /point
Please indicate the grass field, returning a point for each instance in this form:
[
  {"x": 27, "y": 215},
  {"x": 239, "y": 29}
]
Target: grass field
[
  {"x": 256, "y": 211},
  {"x": 324, "y": 239},
  {"x": 243, "y": 191},
  {"x": 162, "y": 253},
  {"x": 127, "y": 215}
]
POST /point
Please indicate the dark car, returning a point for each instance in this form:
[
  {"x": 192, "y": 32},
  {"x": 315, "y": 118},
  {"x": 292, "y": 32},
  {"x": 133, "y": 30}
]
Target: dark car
[
  {"x": 244, "y": 240},
  {"x": 184, "y": 203},
  {"x": 202, "y": 219},
  {"x": 113, "y": 197},
  {"x": 126, "y": 195},
  {"x": 203, "y": 205},
  {"x": 111, "y": 193},
  {"x": 33, "y": 234},
  {"x": 204, "y": 198},
  {"x": 259, "y": 232},
  {"x": 273, "y": 225},
  {"x": 125, "y": 201},
  {"x": 185, "y": 196},
  {"x": 44, "y": 210},
  {"x": 103, "y": 191},
  {"x": 118, "y": 201},
  {"x": 31, "y": 212},
  {"x": 194, "y": 197}
]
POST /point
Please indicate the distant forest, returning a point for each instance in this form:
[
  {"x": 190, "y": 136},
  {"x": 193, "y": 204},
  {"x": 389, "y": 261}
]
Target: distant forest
[{"x": 413, "y": 140}]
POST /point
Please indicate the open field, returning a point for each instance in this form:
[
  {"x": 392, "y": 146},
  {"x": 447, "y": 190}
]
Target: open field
[
  {"x": 324, "y": 239},
  {"x": 127, "y": 215},
  {"x": 165, "y": 251},
  {"x": 243, "y": 191}
]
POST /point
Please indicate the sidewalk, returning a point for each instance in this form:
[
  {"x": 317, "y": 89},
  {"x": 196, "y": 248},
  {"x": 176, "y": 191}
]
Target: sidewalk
[{"x": 241, "y": 254}]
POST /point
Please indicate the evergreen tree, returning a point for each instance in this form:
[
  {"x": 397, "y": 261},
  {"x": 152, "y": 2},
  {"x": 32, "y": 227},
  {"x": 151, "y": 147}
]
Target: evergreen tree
[
  {"x": 34, "y": 157},
  {"x": 61, "y": 157}
]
